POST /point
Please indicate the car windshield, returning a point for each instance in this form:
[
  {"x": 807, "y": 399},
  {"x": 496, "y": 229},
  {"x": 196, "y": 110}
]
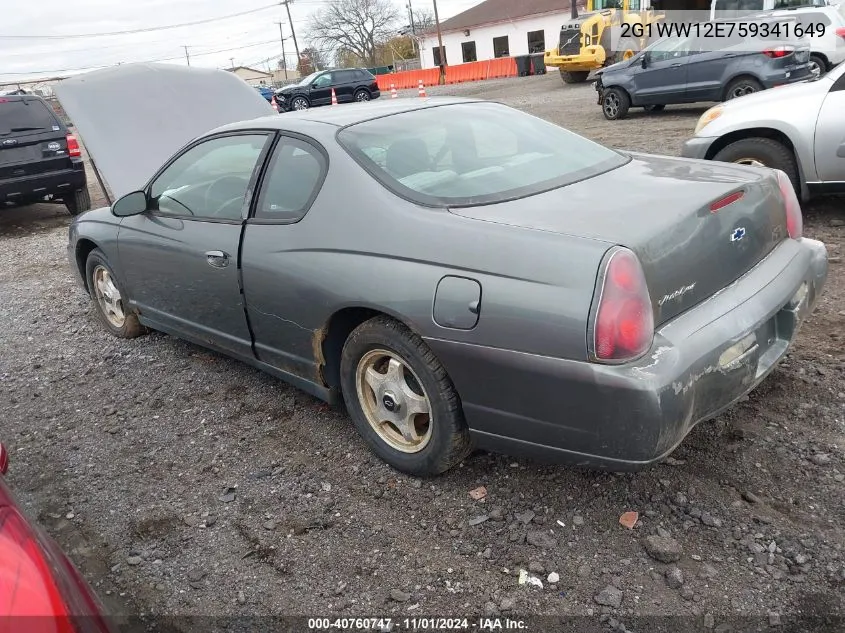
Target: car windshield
[
  {"x": 26, "y": 115},
  {"x": 309, "y": 79},
  {"x": 473, "y": 153}
]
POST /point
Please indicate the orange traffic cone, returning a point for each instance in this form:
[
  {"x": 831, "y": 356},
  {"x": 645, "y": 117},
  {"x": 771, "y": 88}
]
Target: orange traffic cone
[
  {"x": 393, "y": 93},
  {"x": 422, "y": 89},
  {"x": 334, "y": 97},
  {"x": 274, "y": 103}
]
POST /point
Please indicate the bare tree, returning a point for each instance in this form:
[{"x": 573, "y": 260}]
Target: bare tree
[
  {"x": 357, "y": 26},
  {"x": 423, "y": 21}
]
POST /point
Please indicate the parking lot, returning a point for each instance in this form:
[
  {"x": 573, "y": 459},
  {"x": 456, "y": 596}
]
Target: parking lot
[{"x": 185, "y": 483}]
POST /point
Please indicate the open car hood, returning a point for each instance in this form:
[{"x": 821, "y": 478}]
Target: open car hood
[{"x": 134, "y": 117}]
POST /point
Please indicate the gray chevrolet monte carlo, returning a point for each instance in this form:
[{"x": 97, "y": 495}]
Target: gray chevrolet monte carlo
[{"x": 457, "y": 272}]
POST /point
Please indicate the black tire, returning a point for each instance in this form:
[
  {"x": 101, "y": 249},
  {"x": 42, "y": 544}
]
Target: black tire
[
  {"x": 767, "y": 151},
  {"x": 742, "y": 86},
  {"x": 78, "y": 202},
  {"x": 658, "y": 107},
  {"x": 615, "y": 104},
  {"x": 574, "y": 76},
  {"x": 301, "y": 101},
  {"x": 131, "y": 327},
  {"x": 449, "y": 441},
  {"x": 362, "y": 95},
  {"x": 819, "y": 62},
  {"x": 626, "y": 44}
]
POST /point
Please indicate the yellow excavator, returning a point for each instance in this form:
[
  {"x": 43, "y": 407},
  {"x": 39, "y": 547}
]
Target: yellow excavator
[{"x": 585, "y": 41}]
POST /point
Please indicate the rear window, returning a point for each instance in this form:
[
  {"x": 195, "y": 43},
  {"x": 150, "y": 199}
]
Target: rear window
[
  {"x": 473, "y": 153},
  {"x": 26, "y": 115}
]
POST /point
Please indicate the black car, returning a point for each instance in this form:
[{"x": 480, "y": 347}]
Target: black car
[
  {"x": 39, "y": 159},
  {"x": 350, "y": 84},
  {"x": 688, "y": 70}
]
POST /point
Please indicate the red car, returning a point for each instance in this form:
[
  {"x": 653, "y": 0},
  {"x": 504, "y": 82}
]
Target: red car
[{"x": 40, "y": 589}]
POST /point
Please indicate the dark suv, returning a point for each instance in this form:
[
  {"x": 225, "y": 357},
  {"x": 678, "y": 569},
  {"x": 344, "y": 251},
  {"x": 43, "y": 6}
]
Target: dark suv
[
  {"x": 39, "y": 159},
  {"x": 350, "y": 84},
  {"x": 687, "y": 70}
]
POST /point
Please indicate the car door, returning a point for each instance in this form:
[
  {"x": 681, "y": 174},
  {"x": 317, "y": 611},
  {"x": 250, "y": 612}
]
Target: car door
[
  {"x": 321, "y": 90},
  {"x": 180, "y": 258},
  {"x": 830, "y": 135},
  {"x": 276, "y": 269},
  {"x": 663, "y": 79},
  {"x": 344, "y": 83},
  {"x": 707, "y": 69}
]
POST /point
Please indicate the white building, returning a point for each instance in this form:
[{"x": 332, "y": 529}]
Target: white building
[{"x": 498, "y": 28}]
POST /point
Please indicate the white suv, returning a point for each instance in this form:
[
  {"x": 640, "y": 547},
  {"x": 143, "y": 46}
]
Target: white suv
[{"x": 827, "y": 48}]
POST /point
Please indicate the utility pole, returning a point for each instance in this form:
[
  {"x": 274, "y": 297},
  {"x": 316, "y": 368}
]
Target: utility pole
[
  {"x": 292, "y": 30},
  {"x": 284, "y": 58},
  {"x": 187, "y": 57},
  {"x": 413, "y": 28},
  {"x": 442, "y": 50}
]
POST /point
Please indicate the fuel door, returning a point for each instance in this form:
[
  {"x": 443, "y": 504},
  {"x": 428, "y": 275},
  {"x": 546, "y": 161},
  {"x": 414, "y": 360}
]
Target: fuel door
[{"x": 457, "y": 303}]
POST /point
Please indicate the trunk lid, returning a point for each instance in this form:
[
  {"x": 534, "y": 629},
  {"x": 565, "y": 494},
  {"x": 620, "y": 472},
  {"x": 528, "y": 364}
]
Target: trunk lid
[
  {"x": 134, "y": 117},
  {"x": 659, "y": 207},
  {"x": 32, "y": 139}
]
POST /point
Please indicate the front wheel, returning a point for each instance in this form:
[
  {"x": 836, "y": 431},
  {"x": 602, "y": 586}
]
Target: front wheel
[
  {"x": 615, "y": 104},
  {"x": 401, "y": 399},
  {"x": 78, "y": 202},
  {"x": 742, "y": 86},
  {"x": 109, "y": 300},
  {"x": 574, "y": 76},
  {"x": 299, "y": 103},
  {"x": 761, "y": 152}
]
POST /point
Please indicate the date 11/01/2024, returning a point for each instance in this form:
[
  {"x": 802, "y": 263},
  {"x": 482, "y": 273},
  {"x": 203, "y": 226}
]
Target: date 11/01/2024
[
  {"x": 713, "y": 30},
  {"x": 386, "y": 625}
]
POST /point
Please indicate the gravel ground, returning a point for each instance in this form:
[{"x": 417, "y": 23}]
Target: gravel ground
[{"x": 185, "y": 483}]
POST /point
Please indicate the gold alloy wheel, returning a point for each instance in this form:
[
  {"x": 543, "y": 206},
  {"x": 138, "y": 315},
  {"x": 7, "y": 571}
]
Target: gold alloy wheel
[
  {"x": 108, "y": 296},
  {"x": 753, "y": 162},
  {"x": 393, "y": 401}
]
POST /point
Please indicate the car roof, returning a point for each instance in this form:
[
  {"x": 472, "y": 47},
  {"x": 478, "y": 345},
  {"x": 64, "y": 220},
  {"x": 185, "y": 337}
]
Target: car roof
[{"x": 348, "y": 114}]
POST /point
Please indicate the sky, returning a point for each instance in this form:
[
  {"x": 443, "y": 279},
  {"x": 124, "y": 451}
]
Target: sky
[{"x": 36, "y": 42}]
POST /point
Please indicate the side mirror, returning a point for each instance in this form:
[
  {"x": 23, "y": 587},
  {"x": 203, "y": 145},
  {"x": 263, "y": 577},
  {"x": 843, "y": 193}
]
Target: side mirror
[
  {"x": 133, "y": 203},
  {"x": 644, "y": 60}
]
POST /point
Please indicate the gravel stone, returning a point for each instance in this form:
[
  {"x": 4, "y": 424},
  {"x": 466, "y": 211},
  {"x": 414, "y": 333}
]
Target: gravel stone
[
  {"x": 398, "y": 595},
  {"x": 610, "y": 596},
  {"x": 541, "y": 539},
  {"x": 674, "y": 578},
  {"x": 663, "y": 549}
]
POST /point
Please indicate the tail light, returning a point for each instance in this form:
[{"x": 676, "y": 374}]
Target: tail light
[
  {"x": 841, "y": 31},
  {"x": 4, "y": 460},
  {"x": 73, "y": 146},
  {"x": 624, "y": 320},
  {"x": 779, "y": 51},
  {"x": 794, "y": 220}
]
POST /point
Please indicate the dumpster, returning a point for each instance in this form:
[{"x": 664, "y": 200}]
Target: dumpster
[
  {"x": 537, "y": 63},
  {"x": 523, "y": 65}
]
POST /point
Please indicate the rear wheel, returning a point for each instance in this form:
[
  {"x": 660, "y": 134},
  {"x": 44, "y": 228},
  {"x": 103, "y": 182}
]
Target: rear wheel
[
  {"x": 401, "y": 399},
  {"x": 654, "y": 108},
  {"x": 362, "y": 95},
  {"x": 78, "y": 202},
  {"x": 818, "y": 63},
  {"x": 742, "y": 86},
  {"x": 574, "y": 76},
  {"x": 615, "y": 104},
  {"x": 761, "y": 152}
]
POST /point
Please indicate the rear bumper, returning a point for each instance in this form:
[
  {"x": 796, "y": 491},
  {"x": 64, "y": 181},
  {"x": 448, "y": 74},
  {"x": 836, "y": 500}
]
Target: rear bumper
[
  {"x": 775, "y": 79},
  {"x": 57, "y": 183},
  {"x": 628, "y": 417}
]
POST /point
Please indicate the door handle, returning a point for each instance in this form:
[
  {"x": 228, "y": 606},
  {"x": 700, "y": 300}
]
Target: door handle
[
  {"x": 675, "y": 65},
  {"x": 217, "y": 259}
]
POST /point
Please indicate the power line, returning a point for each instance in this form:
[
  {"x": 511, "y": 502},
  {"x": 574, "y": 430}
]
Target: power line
[
  {"x": 143, "y": 30},
  {"x": 147, "y": 61}
]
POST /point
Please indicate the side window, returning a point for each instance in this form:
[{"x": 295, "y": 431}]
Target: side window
[
  {"x": 323, "y": 80},
  {"x": 210, "y": 180},
  {"x": 344, "y": 77},
  {"x": 293, "y": 180}
]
